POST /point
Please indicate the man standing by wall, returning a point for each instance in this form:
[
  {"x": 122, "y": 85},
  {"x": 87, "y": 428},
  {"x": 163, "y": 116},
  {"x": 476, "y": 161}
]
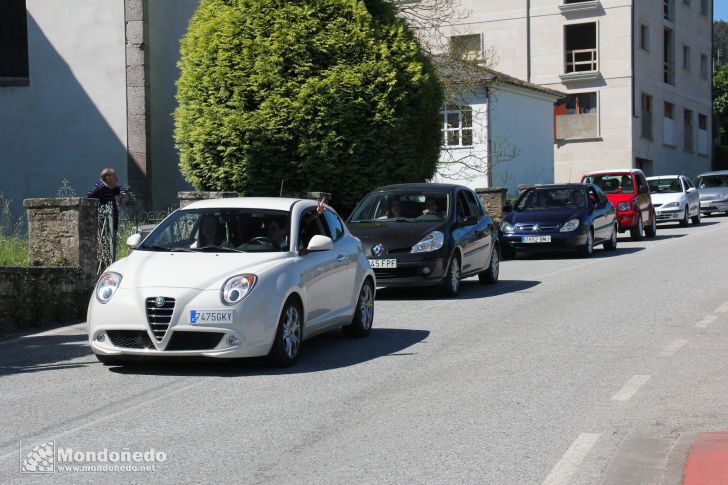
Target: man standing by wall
[{"x": 106, "y": 190}]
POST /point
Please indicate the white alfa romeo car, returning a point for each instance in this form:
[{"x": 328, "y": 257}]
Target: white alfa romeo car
[{"x": 233, "y": 278}]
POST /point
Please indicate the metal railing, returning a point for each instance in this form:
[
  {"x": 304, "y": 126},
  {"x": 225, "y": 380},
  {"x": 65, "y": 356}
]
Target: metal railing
[{"x": 582, "y": 60}]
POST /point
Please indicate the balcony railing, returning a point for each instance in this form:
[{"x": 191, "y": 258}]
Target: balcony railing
[{"x": 582, "y": 60}]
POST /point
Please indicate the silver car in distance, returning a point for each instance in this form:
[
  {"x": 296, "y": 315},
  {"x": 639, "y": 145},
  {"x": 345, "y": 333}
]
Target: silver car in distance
[{"x": 232, "y": 278}]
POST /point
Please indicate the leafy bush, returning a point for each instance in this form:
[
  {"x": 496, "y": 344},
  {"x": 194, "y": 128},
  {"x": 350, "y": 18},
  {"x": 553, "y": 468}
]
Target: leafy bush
[{"x": 326, "y": 95}]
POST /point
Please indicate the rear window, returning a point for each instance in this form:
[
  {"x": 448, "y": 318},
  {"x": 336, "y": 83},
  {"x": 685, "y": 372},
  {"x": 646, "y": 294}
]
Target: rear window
[{"x": 612, "y": 183}]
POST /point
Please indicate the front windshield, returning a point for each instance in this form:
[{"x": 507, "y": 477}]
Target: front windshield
[
  {"x": 712, "y": 181},
  {"x": 612, "y": 183},
  {"x": 670, "y": 185},
  {"x": 215, "y": 229},
  {"x": 552, "y": 199},
  {"x": 403, "y": 206}
]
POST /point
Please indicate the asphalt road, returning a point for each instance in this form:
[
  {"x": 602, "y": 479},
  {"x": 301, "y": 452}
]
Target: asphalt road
[{"x": 569, "y": 370}]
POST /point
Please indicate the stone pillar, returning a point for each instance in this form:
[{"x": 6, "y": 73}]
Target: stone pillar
[
  {"x": 63, "y": 232},
  {"x": 137, "y": 100},
  {"x": 493, "y": 200},
  {"x": 186, "y": 198}
]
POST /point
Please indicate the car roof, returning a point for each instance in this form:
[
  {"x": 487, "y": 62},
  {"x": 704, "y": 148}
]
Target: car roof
[
  {"x": 717, "y": 172},
  {"x": 654, "y": 177},
  {"x": 615, "y": 171},
  {"x": 424, "y": 186},
  {"x": 273, "y": 203},
  {"x": 561, "y": 186}
]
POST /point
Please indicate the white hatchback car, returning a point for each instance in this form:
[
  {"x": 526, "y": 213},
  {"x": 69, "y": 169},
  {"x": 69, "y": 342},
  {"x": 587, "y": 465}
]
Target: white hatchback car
[
  {"x": 232, "y": 278},
  {"x": 675, "y": 199}
]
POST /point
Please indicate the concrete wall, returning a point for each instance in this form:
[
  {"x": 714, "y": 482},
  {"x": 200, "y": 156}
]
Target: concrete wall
[
  {"x": 70, "y": 122},
  {"x": 690, "y": 91},
  {"x": 167, "y": 23}
]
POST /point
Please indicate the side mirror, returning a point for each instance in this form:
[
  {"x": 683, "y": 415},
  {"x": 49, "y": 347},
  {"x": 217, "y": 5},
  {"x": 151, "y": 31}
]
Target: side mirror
[
  {"x": 691, "y": 189},
  {"x": 320, "y": 243},
  {"x": 134, "y": 241},
  {"x": 507, "y": 208}
]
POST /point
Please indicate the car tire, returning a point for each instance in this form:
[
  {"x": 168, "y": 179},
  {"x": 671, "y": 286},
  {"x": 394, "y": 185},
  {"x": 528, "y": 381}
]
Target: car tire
[
  {"x": 696, "y": 218},
  {"x": 636, "y": 232},
  {"x": 685, "y": 219},
  {"x": 361, "y": 325},
  {"x": 611, "y": 245},
  {"x": 651, "y": 230},
  {"x": 490, "y": 275},
  {"x": 110, "y": 359},
  {"x": 451, "y": 282},
  {"x": 588, "y": 249},
  {"x": 507, "y": 252},
  {"x": 289, "y": 335}
]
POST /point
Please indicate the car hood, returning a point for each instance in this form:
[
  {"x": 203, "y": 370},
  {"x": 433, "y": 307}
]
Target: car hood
[
  {"x": 712, "y": 192},
  {"x": 615, "y": 199},
  {"x": 393, "y": 236},
  {"x": 663, "y": 199},
  {"x": 146, "y": 269},
  {"x": 552, "y": 217}
]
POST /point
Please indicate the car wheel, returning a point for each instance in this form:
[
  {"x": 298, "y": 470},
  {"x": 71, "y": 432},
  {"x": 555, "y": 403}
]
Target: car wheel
[
  {"x": 364, "y": 313},
  {"x": 588, "y": 248},
  {"x": 110, "y": 359},
  {"x": 696, "y": 218},
  {"x": 636, "y": 232},
  {"x": 685, "y": 219},
  {"x": 451, "y": 283},
  {"x": 611, "y": 245},
  {"x": 287, "y": 342},
  {"x": 507, "y": 252},
  {"x": 651, "y": 230},
  {"x": 490, "y": 275}
]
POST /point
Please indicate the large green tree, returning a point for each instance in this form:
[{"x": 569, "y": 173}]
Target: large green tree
[
  {"x": 720, "y": 40},
  {"x": 720, "y": 101},
  {"x": 326, "y": 95}
]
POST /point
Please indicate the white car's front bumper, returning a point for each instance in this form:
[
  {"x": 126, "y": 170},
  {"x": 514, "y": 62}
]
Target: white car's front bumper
[
  {"x": 670, "y": 215},
  {"x": 122, "y": 327}
]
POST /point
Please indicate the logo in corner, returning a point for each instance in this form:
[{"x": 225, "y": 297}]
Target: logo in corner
[
  {"x": 193, "y": 316},
  {"x": 160, "y": 301},
  {"x": 41, "y": 459},
  {"x": 378, "y": 250}
]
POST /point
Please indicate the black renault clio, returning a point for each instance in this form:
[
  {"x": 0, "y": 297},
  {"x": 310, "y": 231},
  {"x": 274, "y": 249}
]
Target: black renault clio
[{"x": 426, "y": 235}]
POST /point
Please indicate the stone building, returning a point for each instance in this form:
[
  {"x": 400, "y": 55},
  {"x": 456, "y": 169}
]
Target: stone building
[{"x": 637, "y": 74}]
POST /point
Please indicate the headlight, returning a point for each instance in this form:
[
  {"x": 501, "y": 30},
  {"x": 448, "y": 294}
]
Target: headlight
[
  {"x": 721, "y": 196},
  {"x": 237, "y": 288},
  {"x": 432, "y": 242},
  {"x": 506, "y": 228},
  {"x": 107, "y": 285},
  {"x": 671, "y": 205},
  {"x": 571, "y": 225},
  {"x": 623, "y": 206}
]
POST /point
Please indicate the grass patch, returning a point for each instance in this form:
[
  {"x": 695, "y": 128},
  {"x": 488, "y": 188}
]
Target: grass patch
[{"x": 13, "y": 238}]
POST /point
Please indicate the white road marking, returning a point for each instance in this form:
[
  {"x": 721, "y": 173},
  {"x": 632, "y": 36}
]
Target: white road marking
[
  {"x": 722, "y": 309},
  {"x": 56, "y": 331},
  {"x": 631, "y": 388},
  {"x": 674, "y": 346},
  {"x": 707, "y": 320},
  {"x": 569, "y": 463}
]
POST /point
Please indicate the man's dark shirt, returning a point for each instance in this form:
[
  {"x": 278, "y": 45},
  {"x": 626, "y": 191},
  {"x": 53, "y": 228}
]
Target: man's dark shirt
[{"x": 107, "y": 195}]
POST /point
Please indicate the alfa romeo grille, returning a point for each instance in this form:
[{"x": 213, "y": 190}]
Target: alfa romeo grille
[
  {"x": 130, "y": 339},
  {"x": 159, "y": 316}
]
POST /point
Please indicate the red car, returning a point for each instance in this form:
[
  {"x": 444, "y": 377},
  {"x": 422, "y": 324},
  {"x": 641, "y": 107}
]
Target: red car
[{"x": 628, "y": 190}]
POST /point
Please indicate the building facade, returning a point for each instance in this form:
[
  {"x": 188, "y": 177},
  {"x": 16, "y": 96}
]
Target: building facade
[{"x": 636, "y": 73}]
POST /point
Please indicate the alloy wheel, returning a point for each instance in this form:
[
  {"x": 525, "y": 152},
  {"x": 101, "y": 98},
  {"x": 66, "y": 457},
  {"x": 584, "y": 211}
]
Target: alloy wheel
[
  {"x": 495, "y": 264},
  {"x": 455, "y": 275},
  {"x": 366, "y": 307},
  {"x": 291, "y": 334}
]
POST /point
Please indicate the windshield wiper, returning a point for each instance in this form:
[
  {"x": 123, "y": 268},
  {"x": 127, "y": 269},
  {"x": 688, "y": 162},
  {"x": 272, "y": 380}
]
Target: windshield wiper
[
  {"x": 155, "y": 247},
  {"x": 219, "y": 249},
  {"x": 365, "y": 221}
]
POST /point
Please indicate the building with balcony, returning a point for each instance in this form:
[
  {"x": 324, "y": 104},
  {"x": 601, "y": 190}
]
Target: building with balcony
[{"x": 636, "y": 74}]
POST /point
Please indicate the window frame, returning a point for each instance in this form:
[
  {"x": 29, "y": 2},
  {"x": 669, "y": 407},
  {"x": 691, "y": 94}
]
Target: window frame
[
  {"x": 461, "y": 129},
  {"x": 15, "y": 68}
]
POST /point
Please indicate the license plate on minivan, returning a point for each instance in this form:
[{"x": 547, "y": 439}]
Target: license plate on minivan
[{"x": 537, "y": 239}]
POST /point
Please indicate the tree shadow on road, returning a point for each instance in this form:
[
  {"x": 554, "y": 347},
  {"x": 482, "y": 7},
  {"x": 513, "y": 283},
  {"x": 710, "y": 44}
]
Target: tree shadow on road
[
  {"x": 36, "y": 354},
  {"x": 325, "y": 352},
  {"x": 470, "y": 289}
]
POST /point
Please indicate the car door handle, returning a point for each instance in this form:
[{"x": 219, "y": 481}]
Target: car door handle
[{"x": 341, "y": 257}]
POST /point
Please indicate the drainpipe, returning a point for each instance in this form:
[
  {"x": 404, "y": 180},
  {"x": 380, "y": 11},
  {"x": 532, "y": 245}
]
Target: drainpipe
[
  {"x": 528, "y": 40},
  {"x": 489, "y": 144}
]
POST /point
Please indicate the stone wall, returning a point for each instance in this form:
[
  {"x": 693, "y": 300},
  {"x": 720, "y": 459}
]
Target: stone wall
[
  {"x": 493, "y": 200},
  {"x": 35, "y": 296}
]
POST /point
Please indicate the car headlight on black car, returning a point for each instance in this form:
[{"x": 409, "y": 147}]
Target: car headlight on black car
[
  {"x": 506, "y": 228},
  {"x": 624, "y": 206},
  {"x": 107, "y": 285},
  {"x": 237, "y": 288},
  {"x": 571, "y": 225},
  {"x": 432, "y": 242},
  {"x": 671, "y": 205}
]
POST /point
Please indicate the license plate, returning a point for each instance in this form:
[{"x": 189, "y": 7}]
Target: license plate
[
  {"x": 383, "y": 263},
  {"x": 537, "y": 239},
  {"x": 211, "y": 316}
]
